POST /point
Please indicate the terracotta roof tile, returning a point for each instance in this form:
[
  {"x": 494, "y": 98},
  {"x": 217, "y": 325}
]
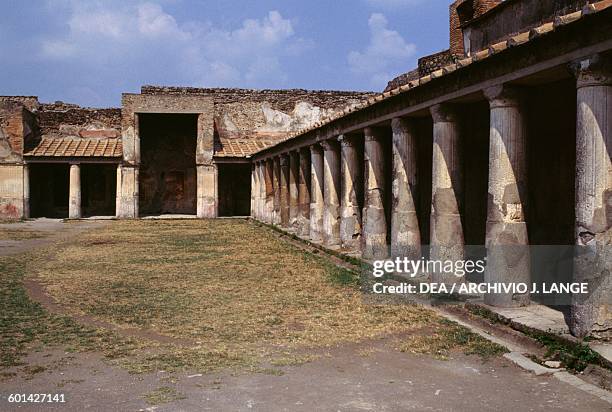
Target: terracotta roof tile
[
  {"x": 240, "y": 147},
  {"x": 74, "y": 147}
]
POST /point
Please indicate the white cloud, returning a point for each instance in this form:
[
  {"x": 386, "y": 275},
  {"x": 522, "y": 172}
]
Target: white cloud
[
  {"x": 144, "y": 35},
  {"x": 386, "y": 55},
  {"x": 392, "y": 4}
]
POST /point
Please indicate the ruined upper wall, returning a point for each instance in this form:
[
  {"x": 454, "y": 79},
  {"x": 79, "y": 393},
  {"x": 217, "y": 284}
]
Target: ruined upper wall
[
  {"x": 17, "y": 126},
  {"x": 69, "y": 120},
  {"x": 511, "y": 17},
  {"x": 243, "y": 116}
]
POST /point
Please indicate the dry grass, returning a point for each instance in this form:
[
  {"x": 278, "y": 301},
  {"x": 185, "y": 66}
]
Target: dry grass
[
  {"x": 233, "y": 288},
  {"x": 236, "y": 295},
  {"x": 19, "y": 234}
]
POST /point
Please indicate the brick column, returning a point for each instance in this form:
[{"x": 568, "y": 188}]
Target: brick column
[
  {"x": 405, "y": 232},
  {"x": 507, "y": 240},
  {"x": 350, "y": 188},
  {"x": 592, "y": 314},
  {"x": 374, "y": 217},
  {"x": 276, "y": 181},
  {"x": 316, "y": 193},
  {"x": 74, "y": 204},
  {"x": 284, "y": 190},
  {"x": 446, "y": 228},
  {"x": 304, "y": 193},
  {"x": 331, "y": 191},
  {"x": 294, "y": 178}
]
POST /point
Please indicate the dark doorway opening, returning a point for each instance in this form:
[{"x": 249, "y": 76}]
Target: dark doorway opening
[
  {"x": 234, "y": 187},
  {"x": 167, "y": 170},
  {"x": 49, "y": 190},
  {"x": 98, "y": 189}
]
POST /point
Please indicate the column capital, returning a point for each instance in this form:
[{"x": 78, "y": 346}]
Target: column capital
[
  {"x": 503, "y": 95},
  {"x": 328, "y": 145},
  {"x": 443, "y": 113},
  {"x": 372, "y": 134},
  {"x": 595, "y": 70},
  {"x": 346, "y": 141},
  {"x": 316, "y": 148}
]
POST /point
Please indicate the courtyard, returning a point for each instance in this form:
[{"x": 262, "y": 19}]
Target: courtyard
[{"x": 225, "y": 315}]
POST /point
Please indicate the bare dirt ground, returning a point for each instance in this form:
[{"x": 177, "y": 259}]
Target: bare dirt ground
[{"x": 268, "y": 356}]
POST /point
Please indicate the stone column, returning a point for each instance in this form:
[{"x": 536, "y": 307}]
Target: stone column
[
  {"x": 74, "y": 203},
  {"x": 304, "y": 193},
  {"x": 350, "y": 187},
  {"x": 261, "y": 210},
  {"x": 591, "y": 314},
  {"x": 254, "y": 190},
  {"x": 26, "y": 191},
  {"x": 269, "y": 176},
  {"x": 206, "y": 191},
  {"x": 127, "y": 190},
  {"x": 405, "y": 232},
  {"x": 331, "y": 192},
  {"x": 118, "y": 191},
  {"x": 446, "y": 228},
  {"x": 294, "y": 177},
  {"x": 284, "y": 190},
  {"x": 316, "y": 193},
  {"x": 374, "y": 216},
  {"x": 276, "y": 217},
  {"x": 507, "y": 240}
]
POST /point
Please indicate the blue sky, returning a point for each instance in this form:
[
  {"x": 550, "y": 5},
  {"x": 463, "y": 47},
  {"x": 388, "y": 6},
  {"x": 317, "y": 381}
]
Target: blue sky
[{"x": 90, "y": 51}]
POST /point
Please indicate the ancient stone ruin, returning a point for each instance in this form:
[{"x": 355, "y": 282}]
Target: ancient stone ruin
[{"x": 501, "y": 140}]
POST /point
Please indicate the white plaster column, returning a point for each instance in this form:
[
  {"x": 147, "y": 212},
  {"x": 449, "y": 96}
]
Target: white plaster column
[
  {"x": 331, "y": 191},
  {"x": 316, "y": 193},
  {"x": 294, "y": 176},
  {"x": 206, "y": 191},
  {"x": 405, "y": 232},
  {"x": 74, "y": 203},
  {"x": 118, "y": 192},
  {"x": 284, "y": 190},
  {"x": 304, "y": 193},
  {"x": 591, "y": 314},
  {"x": 507, "y": 241},
  {"x": 446, "y": 227},
  {"x": 350, "y": 187},
  {"x": 26, "y": 191},
  {"x": 374, "y": 216}
]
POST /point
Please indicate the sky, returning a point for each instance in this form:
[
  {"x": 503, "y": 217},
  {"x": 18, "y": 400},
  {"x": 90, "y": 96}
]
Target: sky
[{"x": 88, "y": 52}]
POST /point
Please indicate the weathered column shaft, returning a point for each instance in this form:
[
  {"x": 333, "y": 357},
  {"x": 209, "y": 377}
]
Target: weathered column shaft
[
  {"x": 269, "y": 176},
  {"x": 254, "y": 190},
  {"x": 446, "y": 228},
  {"x": 294, "y": 177},
  {"x": 304, "y": 193},
  {"x": 74, "y": 204},
  {"x": 350, "y": 189},
  {"x": 316, "y": 193},
  {"x": 261, "y": 213},
  {"x": 591, "y": 314},
  {"x": 507, "y": 241},
  {"x": 374, "y": 216},
  {"x": 331, "y": 191},
  {"x": 284, "y": 190},
  {"x": 405, "y": 232},
  {"x": 206, "y": 191},
  {"x": 26, "y": 191},
  {"x": 276, "y": 217}
]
